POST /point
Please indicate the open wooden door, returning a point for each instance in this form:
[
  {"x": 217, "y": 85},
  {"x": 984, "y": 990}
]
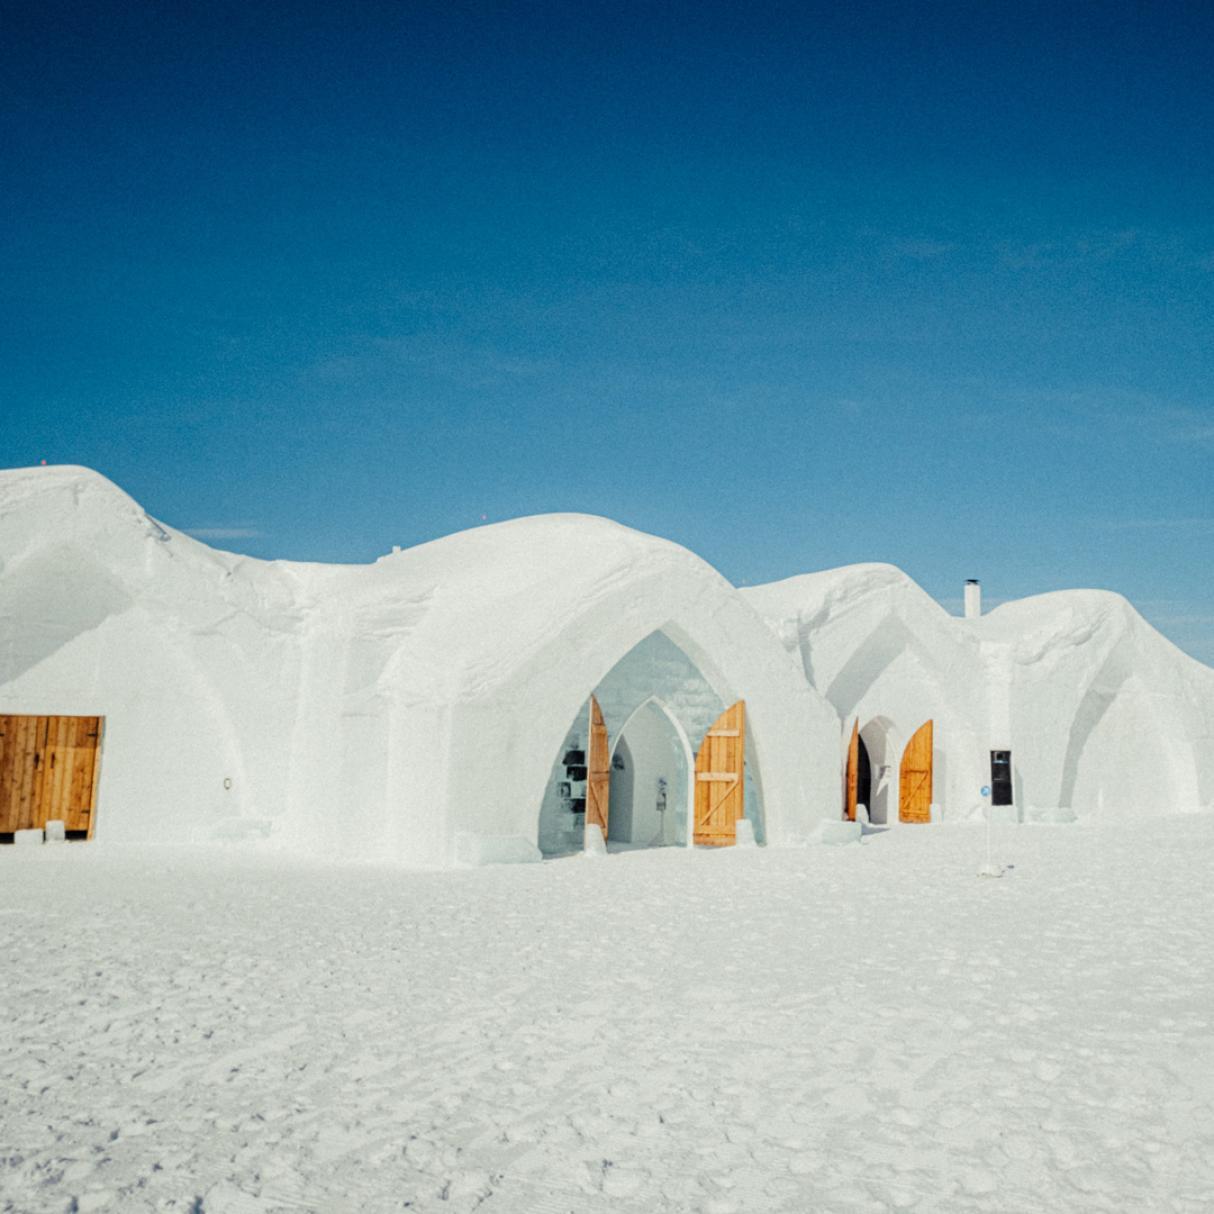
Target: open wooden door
[
  {"x": 48, "y": 771},
  {"x": 915, "y": 777},
  {"x": 720, "y": 787},
  {"x": 851, "y": 777},
  {"x": 73, "y": 747},
  {"x": 598, "y": 771}
]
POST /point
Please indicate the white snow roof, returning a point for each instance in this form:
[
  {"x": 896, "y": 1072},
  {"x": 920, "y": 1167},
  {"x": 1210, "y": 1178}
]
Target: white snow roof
[
  {"x": 483, "y": 599},
  {"x": 1036, "y": 625},
  {"x": 459, "y": 612}
]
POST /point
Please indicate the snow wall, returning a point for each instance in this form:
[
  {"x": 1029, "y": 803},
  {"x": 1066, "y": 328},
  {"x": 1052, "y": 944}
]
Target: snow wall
[
  {"x": 1101, "y": 713},
  {"x": 408, "y": 710},
  {"x": 416, "y": 709}
]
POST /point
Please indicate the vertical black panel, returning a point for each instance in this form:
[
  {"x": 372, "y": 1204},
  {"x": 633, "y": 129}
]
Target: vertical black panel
[{"x": 1001, "y": 777}]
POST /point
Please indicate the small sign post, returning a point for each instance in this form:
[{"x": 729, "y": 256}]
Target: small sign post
[{"x": 990, "y": 868}]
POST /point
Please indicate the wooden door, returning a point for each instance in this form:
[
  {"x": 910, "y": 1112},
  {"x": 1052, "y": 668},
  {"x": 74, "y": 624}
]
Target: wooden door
[
  {"x": 851, "y": 776},
  {"x": 48, "y": 771},
  {"x": 71, "y": 771},
  {"x": 22, "y": 745},
  {"x": 720, "y": 787},
  {"x": 915, "y": 777},
  {"x": 598, "y": 771}
]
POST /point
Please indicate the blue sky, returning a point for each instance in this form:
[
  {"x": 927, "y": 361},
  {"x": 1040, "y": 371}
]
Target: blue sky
[{"x": 795, "y": 285}]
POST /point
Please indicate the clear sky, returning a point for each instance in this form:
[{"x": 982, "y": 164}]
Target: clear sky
[{"x": 795, "y": 285}]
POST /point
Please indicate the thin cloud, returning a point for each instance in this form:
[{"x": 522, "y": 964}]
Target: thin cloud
[
  {"x": 1161, "y": 524},
  {"x": 1089, "y": 248},
  {"x": 1077, "y": 410},
  {"x": 1187, "y": 624},
  {"x": 921, "y": 249},
  {"x": 1175, "y": 613},
  {"x": 223, "y": 533},
  {"x": 1185, "y": 424},
  {"x": 1200, "y": 433}
]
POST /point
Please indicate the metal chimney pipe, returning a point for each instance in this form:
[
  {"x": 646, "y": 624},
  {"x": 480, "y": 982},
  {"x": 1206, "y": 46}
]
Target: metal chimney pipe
[{"x": 973, "y": 598}]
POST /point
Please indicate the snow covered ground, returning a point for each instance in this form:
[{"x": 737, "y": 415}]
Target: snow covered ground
[{"x": 861, "y": 1028}]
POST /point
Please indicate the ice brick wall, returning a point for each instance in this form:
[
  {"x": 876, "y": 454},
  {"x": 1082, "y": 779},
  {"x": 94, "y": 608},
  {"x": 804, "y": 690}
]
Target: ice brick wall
[{"x": 658, "y": 668}]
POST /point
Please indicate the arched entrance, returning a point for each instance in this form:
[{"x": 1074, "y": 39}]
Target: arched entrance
[
  {"x": 877, "y": 770},
  {"x": 627, "y": 761},
  {"x": 1125, "y": 756},
  {"x": 650, "y": 770}
]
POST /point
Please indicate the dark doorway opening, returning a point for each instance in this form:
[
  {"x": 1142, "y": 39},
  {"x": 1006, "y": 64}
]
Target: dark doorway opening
[{"x": 864, "y": 778}]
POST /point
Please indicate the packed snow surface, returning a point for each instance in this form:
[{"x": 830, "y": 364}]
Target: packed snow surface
[{"x": 868, "y": 1027}]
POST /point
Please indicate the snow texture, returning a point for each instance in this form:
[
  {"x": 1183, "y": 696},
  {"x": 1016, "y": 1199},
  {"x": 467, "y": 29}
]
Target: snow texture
[{"x": 847, "y": 1029}]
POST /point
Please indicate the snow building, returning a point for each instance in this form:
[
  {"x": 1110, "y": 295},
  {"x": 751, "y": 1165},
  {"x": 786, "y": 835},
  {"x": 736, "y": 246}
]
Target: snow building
[
  {"x": 1118, "y": 721},
  {"x": 488, "y": 695},
  {"x": 1065, "y": 701},
  {"x": 907, "y": 684},
  {"x": 475, "y": 698}
]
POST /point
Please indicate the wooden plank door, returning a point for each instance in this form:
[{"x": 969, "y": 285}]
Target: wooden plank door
[
  {"x": 720, "y": 786},
  {"x": 52, "y": 772},
  {"x": 13, "y": 761},
  {"x": 23, "y": 744},
  {"x": 915, "y": 777},
  {"x": 48, "y": 770},
  {"x": 851, "y": 775},
  {"x": 71, "y": 772},
  {"x": 598, "y": 771}
]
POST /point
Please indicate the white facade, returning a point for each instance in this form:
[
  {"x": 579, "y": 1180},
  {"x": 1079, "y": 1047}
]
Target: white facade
[
  {"x": 411, "y": 709},
  {"x": 1102, "y": 714},
  {"x": 421, "y": 709}
]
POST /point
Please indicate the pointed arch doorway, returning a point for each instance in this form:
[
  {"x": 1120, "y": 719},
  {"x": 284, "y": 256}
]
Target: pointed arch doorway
[
  {"x": 650, "y": 781},
  {"x": 901, "y": 793},
  {"x": 872, "y": 755},
  {"x": 629, "y": 770}
]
